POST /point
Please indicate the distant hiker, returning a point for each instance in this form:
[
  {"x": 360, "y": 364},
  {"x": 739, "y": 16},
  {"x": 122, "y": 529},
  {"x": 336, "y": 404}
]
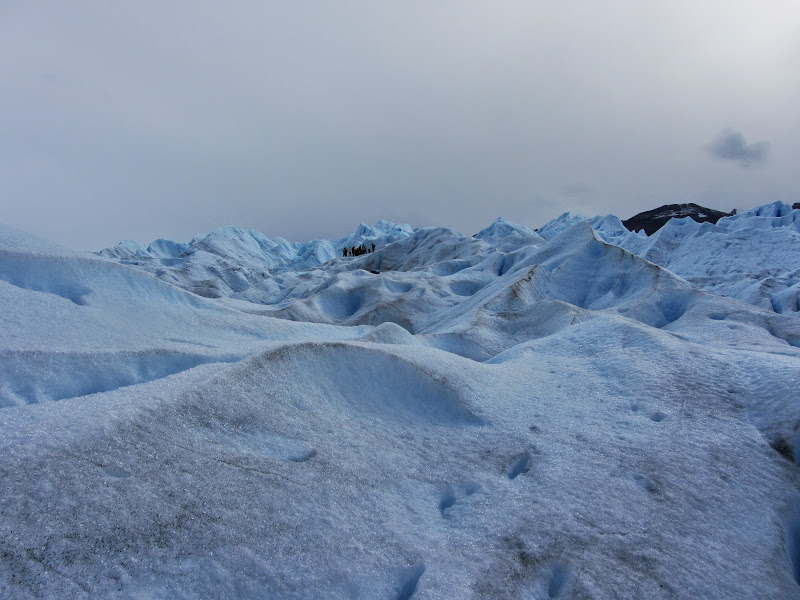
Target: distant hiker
[
  {"x": 373, "y": 247},
  {"x": 344, "y": 251}
]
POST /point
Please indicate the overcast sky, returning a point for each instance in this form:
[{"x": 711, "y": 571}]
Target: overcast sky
[{"x": 138, "y": 120}]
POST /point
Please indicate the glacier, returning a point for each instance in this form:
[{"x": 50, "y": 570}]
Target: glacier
[{"x": 576, "y": 411}]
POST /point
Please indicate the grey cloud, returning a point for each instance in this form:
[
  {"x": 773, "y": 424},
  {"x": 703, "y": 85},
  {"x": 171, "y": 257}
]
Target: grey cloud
[
  {"x": 731, "y": 145},
  {"x": 576, "y": 190}
]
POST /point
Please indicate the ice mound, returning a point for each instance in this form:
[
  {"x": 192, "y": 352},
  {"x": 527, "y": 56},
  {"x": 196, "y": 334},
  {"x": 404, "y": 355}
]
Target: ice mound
[
  {"x": 502, "y": 228},
  {"x": 389, "y": 333},
  {"x": 369, "y": 381}
]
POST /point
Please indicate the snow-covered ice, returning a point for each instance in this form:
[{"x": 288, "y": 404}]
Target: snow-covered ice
[{"x": 578, "y": 412}]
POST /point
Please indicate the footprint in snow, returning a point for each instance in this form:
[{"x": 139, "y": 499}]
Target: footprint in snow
[
  {"x": 114, "y": 472},
  {"x": 450, "y": 497},
  {"x": 408, "y": 586},
  {"x": 271, "y": 446},
  {"x": 519, "y": 465},
  {"x": 645, "y": 483},
  {"x": 560, "y": 580},
  {"x": 658, "y": 416},
  {"x": 554, "y": 582}
]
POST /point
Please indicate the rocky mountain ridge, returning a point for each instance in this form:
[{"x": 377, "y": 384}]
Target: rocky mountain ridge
[{"x": 652, "y": 220}]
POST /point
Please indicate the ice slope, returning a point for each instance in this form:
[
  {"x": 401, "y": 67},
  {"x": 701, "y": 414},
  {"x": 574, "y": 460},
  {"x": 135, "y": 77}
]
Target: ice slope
[
  {"x": 753, "y": 256},
  {"x": 566, "y": 281},
  {"x": 364, "y": 470},
  {"x": 76, "y": 324},
  {"x": 479, "y": 296},
  {"x": 243, "y": 264},
  {"x": 430, "y": 270},
  {"x": 622, "y": 434},
  {"x": 502, "y": 229},
  {"x": 609, "y": 226},
  {"x": 231, "y": 260}
]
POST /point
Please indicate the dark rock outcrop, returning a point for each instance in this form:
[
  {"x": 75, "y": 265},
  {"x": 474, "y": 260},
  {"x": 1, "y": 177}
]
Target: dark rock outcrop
[{"x": 653, "y": 220}]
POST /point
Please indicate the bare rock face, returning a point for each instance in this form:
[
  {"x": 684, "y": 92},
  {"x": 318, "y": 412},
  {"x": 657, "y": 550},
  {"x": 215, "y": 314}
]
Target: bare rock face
[{"x": 653, "y": 220}]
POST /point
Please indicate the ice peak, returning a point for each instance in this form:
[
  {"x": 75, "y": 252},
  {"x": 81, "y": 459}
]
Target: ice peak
[
  {"x": 501, "y": 228},
  {"x": 391, "y": 227}
]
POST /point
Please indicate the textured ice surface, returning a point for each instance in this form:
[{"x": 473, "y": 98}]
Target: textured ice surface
[
  {"x": 726, "y": 258},
  {"x": 511, "y": 415},
  {"x": 753, "y": 256}
]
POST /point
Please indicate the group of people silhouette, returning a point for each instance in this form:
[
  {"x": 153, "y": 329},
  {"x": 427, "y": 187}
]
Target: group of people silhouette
[{"x": 357, "y": 250}]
